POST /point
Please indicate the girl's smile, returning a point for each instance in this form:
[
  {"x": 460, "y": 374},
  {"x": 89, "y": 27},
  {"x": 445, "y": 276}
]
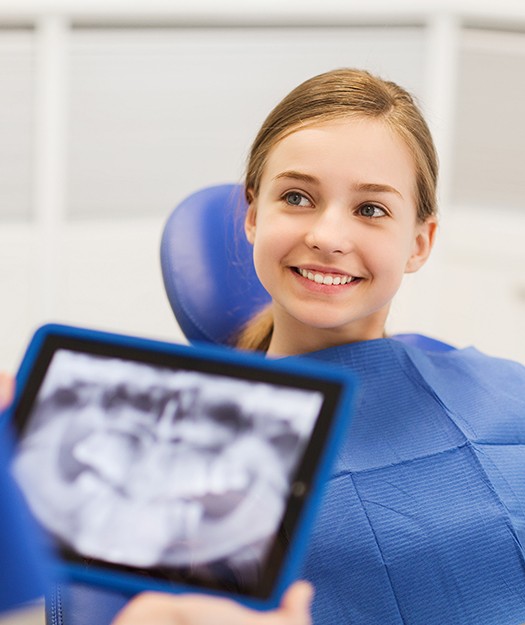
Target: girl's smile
[
  {"x": 334, "y": 229},
  {"x": 325, "y": 277}
]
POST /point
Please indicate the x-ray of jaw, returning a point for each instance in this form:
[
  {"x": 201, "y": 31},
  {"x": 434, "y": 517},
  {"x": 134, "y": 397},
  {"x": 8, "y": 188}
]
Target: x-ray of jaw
[{"x": 147, "y": 466}]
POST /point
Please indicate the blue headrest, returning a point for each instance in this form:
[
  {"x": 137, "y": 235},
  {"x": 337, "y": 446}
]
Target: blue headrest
[{"x": 207, "y": 265}]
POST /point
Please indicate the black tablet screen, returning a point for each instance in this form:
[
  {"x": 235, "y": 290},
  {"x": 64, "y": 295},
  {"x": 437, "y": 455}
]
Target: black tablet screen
[{"x": 172, "y": 469}]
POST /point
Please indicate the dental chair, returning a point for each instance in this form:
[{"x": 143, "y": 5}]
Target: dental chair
[{"x": 213, "y": 290}]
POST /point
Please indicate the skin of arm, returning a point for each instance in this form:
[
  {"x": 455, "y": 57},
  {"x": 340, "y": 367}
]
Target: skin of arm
[{"x": 152, "y": 608}]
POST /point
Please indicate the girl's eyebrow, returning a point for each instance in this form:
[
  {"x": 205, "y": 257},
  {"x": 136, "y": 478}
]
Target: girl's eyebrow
[
  {"x": 372, "y": 187},
  {"x": 366, "y": 187},
  {"x": 297, "y": 175}
]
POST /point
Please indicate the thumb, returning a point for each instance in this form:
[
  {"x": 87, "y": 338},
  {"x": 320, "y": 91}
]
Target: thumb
[{"x": 297, "y": 601}]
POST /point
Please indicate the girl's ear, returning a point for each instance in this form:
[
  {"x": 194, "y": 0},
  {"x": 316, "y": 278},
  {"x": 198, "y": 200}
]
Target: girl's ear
[
  {"x": 423, "y": 243},
  {"x": 249, "y": 220}
]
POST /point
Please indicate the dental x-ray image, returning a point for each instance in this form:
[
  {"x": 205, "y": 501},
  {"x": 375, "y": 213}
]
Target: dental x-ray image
[{"x": 150, "y": 467}]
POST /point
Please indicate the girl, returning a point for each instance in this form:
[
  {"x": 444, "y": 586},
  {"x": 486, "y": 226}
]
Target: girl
[{"x": 423, "y": 521}]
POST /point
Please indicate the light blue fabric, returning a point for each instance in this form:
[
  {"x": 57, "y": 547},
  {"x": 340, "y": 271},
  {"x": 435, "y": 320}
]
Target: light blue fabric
[{"x": 423, "y": 521}]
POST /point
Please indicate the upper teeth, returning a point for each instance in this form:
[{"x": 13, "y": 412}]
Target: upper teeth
[{"x": 322, "y": 278}]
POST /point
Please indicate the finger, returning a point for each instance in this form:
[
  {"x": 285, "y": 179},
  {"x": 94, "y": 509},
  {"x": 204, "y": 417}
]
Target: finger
[
  {"x": 148, "y": 608},
  {"x": 7, "y": 389},
  {"x": 297, "y": 601}
]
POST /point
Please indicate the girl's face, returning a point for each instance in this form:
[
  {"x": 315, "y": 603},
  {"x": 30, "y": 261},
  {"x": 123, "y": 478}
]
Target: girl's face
[{"x": 334, "y": 229}]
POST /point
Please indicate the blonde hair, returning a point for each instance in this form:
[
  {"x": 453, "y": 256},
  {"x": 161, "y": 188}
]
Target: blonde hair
[{"x": 342, "y": 93}]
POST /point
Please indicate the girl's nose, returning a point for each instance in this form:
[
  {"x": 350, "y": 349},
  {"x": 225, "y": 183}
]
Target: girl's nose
[{"x": 330, "y": 233}]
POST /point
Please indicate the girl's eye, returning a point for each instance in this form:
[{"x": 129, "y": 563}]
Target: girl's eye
[
  {"x": 296, "y": 199},
  {"x": 371, "y": 211}
]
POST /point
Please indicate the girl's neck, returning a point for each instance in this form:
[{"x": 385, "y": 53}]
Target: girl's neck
[{"x": 292, "y": 341}]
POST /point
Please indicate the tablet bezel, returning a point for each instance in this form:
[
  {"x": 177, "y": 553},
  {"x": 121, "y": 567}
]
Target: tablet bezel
[{"x": 338, "y": 388}]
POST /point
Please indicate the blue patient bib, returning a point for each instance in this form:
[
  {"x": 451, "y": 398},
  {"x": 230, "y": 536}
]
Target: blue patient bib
[{"x": 423, "y": 520}]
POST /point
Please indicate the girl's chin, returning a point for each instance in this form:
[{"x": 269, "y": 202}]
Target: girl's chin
[
  {"x": 319, "y": 324},
  {"x": 312, "y": 328}
]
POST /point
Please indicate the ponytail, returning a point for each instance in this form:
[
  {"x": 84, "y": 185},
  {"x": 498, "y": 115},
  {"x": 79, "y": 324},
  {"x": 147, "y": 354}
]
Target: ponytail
[{"x": 257, "y": 333}]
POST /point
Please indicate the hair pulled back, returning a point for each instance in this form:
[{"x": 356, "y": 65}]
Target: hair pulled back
[
  {"x": 338, "y": 94},
  {"x": 351, "y": 93}
]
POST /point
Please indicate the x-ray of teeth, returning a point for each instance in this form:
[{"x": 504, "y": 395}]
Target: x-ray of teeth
[{"x": 147, "y": 466}]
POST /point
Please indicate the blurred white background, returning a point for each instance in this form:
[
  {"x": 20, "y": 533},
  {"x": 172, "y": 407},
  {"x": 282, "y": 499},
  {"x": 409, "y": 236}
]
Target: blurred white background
[{"x": 111, "y": 112}]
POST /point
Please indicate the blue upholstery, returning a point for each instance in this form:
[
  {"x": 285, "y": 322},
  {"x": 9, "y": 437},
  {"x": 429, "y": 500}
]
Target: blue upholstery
[
  {"x": 208, "y": 270},
  {"x": 207, "y": 265}
]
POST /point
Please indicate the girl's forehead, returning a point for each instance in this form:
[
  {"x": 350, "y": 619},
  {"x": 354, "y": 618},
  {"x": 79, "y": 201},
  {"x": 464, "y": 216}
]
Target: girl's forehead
[
  {"x": 348, "y": 132},
  {"x": 361, "y": 147}
]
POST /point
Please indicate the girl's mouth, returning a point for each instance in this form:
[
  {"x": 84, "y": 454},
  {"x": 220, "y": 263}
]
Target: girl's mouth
[{"x": 325, "y": 278}]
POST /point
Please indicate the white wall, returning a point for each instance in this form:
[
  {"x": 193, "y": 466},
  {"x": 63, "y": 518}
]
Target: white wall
[{"x": 110, "y": 115}]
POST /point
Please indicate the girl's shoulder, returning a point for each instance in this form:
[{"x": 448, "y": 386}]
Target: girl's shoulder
[
  {"x": 459, "y": 390},
  {"x": 464, "y": 381},
  {"x": 442, "y": 367},
  {"x": 484, "y": 395},
  {"x": 466, "y": 364},
  {"x": 429, "y": 355}
]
